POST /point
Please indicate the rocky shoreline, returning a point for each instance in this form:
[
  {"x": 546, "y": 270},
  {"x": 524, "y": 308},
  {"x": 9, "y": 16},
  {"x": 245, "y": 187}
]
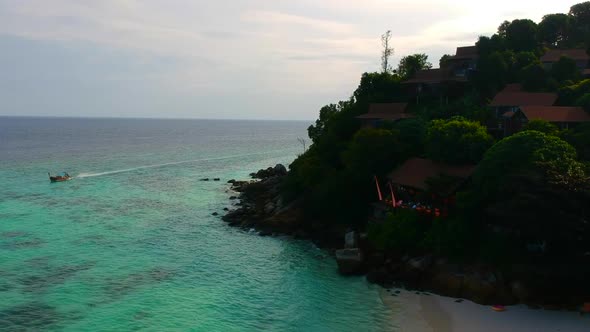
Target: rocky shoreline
[{"x": 261, "y": 207}]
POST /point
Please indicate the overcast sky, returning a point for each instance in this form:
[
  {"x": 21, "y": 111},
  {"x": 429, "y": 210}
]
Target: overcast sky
[{"x": 249, "y": 59}]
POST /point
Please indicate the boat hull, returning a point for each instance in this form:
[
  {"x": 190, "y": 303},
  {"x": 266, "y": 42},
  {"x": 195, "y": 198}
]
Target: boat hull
[{"x": 59, "y": 178}]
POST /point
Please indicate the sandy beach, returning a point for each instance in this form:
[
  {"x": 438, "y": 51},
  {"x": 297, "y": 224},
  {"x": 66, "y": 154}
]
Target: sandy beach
[{"x": 419, "y": 312}]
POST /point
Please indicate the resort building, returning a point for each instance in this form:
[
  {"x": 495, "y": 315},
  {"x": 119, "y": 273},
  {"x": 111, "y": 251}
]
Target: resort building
[
  {"x": 578, "y": 55},
  {"x": 563, "y": 117},
  {"x": 508, "y": 101},
  {"x": 435, "y": 83},
  {"x": 381, "y": 112},
  {"x": 428, "y": 186},
  {"x": 464, "y": 62}
]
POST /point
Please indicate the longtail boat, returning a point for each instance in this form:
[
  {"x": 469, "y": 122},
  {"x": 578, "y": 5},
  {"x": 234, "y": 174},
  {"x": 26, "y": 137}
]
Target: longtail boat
[{"x": 63, "y": 176}]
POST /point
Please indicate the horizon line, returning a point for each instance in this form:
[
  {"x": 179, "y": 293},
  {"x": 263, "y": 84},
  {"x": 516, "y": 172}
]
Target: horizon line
[{"x": 146, "y": 118}]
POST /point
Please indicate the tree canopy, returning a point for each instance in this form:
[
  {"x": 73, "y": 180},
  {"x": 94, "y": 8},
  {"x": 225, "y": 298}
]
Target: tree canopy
[
  {"x": 518, "y": 154},
  {"x": 411, "y": 64},
  {"x": 457, "y": 141},
  {"x": 542, "y": 126},
  {"x": 554, "y": 29}
]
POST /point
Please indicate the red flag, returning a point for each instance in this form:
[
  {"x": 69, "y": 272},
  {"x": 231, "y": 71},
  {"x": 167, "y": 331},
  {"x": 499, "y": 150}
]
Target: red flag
[
  {"x": 378, "y": 189},
  {"x": 392, "y": 196}
]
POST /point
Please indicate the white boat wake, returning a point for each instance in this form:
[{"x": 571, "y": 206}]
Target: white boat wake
[{"x": 89, "y": 175}]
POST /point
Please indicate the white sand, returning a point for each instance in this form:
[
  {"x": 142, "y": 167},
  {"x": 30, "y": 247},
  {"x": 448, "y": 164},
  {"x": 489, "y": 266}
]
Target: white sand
[{"x": 417, "y": 313}]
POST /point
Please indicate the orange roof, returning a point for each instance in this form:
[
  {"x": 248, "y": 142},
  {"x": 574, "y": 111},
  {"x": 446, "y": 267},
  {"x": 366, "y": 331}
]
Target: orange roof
[
  {"x": 518, "y": 98},
  {"x": 556, "y": 113},
  {"x": 387, "y": 111},
  {"x": 577, "y": 54},
  {"x": 433, "y": 76},
  {"x": 414, "y": 172},
  {"x": 465, "y": 53}
]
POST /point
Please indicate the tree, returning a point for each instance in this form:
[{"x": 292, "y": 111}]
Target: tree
[
  {"x": 412, "y": 136},
  {"x": 411, "y": 64},
  {"x": 515, "y": 155},
  {"x": 503, "y": 29},
  {"x": 580, "y": 23},
  {"x": 581, "y": 13},
  {"x": 386, "y": 53},
  {"x": 378, "y": 88},
  {"x": 444, "y": 60},
  {"x": 486, "y": 45},
  {"x": 521, "y": 35},
  {"x": 565, "y": 69},
  {"x": 528, "y": 182},
  {"x": 457, "y": 141},
  {"x": 326, "y": 113},
  {"x": 534, "y": 77},
  {"x": 584, "y": 102},
  {"x": 373, "y": 152},
  {"x": 492, "y": 74},
  {"x": 554, "y": 30},
  {"x": 579, "y": 138},
  {"x": 543, "y": 126}
]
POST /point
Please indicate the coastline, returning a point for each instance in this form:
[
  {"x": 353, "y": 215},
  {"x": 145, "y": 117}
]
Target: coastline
[
  {"x": 425, "y": 313},
  {"x": 260, "y": 207}
]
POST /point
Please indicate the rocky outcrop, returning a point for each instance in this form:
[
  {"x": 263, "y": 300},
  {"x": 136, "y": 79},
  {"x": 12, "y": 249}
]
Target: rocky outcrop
[
  {"x": 548, "y": 287},
  {"x": 278, "y": 170},
  {"x": 261, "y": 205}
]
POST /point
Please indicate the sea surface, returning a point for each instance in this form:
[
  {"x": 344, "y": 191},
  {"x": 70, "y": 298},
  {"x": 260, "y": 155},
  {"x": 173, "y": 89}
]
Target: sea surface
[{"x": 131, "y": 243}]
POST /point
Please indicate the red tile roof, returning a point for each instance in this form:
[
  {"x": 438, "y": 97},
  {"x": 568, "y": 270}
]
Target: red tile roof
[
  {"x": 575, "y": 54},
  {"x": 430, "y": 76},
  {"x": 387, "y": 111},
  {"x": 556, "y": 113},
  {"x": 414, "y": 172},
  {"x": 465, "y": 53},
  {"x": 516, "y": 98}
]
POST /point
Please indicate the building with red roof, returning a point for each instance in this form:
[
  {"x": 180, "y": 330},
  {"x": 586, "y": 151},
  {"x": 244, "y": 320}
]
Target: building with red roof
[
  {"x": 464, "y": 62},
  {"x": 417, "y": 174},
  {"x": 508, "y": 102},
  {"x": 380, "y": 112},
  {"x": 563, "y": 116},
  {"x": 578, "y": 55}
]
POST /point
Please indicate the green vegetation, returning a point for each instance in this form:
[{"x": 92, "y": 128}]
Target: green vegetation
[
  {"x": 542, "y": 126},
  {"x": 411, "y": 64},
  {"x": 457, "y": 141},
  {"x": 532, "y": 187}
]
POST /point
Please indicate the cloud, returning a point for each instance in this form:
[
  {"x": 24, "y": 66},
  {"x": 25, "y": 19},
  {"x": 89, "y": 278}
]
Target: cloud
[
  {"x": 181, "y": 57},
  {"x": 282, "y": 19}
]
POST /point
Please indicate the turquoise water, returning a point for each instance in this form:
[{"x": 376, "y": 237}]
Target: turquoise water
[{"x": 130, "y": 242}]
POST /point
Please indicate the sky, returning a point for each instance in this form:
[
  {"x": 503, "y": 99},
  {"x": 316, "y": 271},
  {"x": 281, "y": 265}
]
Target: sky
[{"x": 221, "y": 59}]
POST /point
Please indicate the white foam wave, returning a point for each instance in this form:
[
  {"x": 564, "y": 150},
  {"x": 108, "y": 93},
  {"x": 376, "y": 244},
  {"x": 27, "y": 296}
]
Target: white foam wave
[{"x": 89, "y": 175}]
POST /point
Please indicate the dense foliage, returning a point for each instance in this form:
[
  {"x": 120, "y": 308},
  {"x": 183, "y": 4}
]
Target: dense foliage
[
  {"x": 457, "y": 141},
  {"x": 532, "y": 187}
]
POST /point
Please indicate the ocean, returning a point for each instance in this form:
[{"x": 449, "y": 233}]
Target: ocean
[{"x": 130, "y": 243}]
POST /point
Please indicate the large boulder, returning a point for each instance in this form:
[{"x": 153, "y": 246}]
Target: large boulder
[
  {"x": 280, "y": 169},
  {"x": 350, "y": 261}
]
